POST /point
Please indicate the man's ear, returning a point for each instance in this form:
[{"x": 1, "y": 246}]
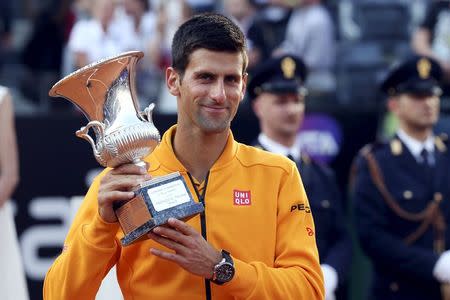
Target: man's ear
[
  {"x": 256, "y": 106},
  {"x": 244, "y": 85},
  {"x": 173, "y": 81},
  {"x": 392, "y": 104}
]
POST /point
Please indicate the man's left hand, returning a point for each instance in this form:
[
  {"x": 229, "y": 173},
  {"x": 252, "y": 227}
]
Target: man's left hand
[{"x": 191, "y": 251}]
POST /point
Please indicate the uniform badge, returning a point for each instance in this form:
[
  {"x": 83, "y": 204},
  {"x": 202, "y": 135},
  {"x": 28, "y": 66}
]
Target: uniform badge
[
  {"x": 396, "y": 147},
  {"x": 288, "y": 67},
  {"x": 424, "y": 68},
  {"x": 257, "y": 90}
]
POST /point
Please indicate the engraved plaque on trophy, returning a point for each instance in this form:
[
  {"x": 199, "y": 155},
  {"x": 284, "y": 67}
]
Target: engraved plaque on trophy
[{"x": 104, "y": 91}]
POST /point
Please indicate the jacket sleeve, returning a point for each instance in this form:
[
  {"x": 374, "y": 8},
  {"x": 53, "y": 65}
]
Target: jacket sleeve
[
  {"x": 90, "y": 250},
  {"x": 383, "y": 248},
  {"x": 296, "y": 273}
]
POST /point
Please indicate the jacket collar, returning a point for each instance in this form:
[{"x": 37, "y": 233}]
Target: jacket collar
[{"x": 166, "y": 157}]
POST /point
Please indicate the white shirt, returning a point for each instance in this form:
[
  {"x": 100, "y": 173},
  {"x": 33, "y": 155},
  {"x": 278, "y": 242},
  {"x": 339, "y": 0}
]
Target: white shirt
[
  {"x": 87, "y": 36},
  {"x": 132, "y": 39},
  {"x": 415, "y": 146},
  {"x": 277, "y": 148}
]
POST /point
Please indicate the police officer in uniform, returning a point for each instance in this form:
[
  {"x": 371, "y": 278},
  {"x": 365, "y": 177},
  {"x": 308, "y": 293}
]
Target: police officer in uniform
[
  {"x": 277, "y": 97},
  {"x": 401, "y": 191}
]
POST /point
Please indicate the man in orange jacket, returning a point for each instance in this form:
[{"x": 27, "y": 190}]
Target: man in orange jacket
[{"x": 255, "y": 239}]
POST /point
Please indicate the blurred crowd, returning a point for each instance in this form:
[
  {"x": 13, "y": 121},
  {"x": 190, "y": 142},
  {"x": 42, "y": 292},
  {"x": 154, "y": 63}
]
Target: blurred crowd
[{"x": 347, "y": 45}]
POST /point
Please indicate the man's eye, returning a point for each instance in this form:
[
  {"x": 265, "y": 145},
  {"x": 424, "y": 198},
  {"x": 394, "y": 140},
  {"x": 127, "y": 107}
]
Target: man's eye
[
  {"x": 232, "y": 79},
  {"x": 205, "y": 77}
]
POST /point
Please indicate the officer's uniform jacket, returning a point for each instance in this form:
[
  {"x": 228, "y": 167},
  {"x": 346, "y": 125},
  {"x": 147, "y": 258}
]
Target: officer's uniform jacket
[
  {"x": 402, "y": 209},
  {"x": 333, "y": 239}
]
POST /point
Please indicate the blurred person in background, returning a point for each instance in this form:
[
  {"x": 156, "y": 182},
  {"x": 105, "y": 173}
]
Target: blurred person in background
[
  {"x": 202, "y": 6},
  {"x": 42, "y": 54},
  {"x": 13, "y": 284},
  {"x": 432, "y": 38},
  {"x": 401, "y": 191},
  {"x": 277, "y": 94},
  {"x": 240, "y": 11},
  {"x": 267, "y": 32},
  {"x": 137, "y": 26},
  {"x": 170, "y": 14},
  {"x": 5, "y": 24},
  {"x": 310, "y": 34},
  {"x": 92, "y": 39}
]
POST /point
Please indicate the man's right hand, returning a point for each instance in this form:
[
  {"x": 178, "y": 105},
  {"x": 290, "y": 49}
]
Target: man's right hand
[{"x": 118, "y": 185}]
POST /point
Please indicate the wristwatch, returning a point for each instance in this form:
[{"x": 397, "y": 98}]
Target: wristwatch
[{"x": 224, "y": 270}]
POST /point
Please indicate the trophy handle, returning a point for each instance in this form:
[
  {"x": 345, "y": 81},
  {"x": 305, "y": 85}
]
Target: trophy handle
[
  {"x": 148, "y": 112},
  {"x": 83, "y": 133}
]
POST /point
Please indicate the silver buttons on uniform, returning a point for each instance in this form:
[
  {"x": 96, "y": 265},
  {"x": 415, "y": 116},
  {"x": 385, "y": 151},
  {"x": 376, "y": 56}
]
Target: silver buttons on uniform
[
  {"x": 407, "y": 194},
  {"x": 325, "y": 203}
]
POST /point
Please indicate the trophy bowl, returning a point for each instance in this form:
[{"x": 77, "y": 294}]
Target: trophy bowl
[{"x": 105, "y": 92}]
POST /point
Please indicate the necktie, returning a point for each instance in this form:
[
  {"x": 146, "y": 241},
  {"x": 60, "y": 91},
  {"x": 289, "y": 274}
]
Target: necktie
[
  {"x": 427, "y": 165},
  {"x": 424, "y": 157},
  {"x": 427, "y": 159}
]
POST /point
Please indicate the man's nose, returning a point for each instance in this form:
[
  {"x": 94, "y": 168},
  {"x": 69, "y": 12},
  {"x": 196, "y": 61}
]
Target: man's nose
[{"x": 218, "y": 91}]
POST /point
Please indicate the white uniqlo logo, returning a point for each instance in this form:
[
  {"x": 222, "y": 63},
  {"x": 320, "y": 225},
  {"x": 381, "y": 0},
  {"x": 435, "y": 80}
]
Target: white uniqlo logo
[{"x": 242, "y": 197}]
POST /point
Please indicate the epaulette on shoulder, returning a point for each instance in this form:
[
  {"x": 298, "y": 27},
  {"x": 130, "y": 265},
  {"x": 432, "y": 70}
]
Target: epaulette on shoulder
[
  {"x": 371, "y": 147},
  {"x": 441, "y": 142},
  {"x": 396, "y": 146},
  {"x": 306, "y": 159}
]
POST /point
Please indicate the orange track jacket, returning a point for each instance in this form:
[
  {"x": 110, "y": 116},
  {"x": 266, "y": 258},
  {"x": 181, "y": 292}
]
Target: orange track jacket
[{"x": 256, "y": 208}]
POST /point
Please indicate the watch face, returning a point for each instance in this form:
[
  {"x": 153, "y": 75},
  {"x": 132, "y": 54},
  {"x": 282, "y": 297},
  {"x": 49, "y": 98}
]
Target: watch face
[{"x": 225, "y": 272}]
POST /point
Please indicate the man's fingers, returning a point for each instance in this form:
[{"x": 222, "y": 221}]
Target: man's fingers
[
  {"x": 182, "y": 227},
  {"x": 168, "y": 255},
  {"x": 172, "y": 234},
  {"x": 167, "y": 242},
  {"x": 129, "y": 169},
  {"x": 113, "y": 196},
  {"x": 123, "y": 182}
]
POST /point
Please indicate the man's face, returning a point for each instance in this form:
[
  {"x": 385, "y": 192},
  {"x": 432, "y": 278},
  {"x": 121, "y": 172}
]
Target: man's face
[
  {"x": 103, "y": 10},
  {"x": 131, "y": 6},
  {"x": 416, "y": 111},
  {"x": 279, "y": 114},
  {"x": 210, "y": 90}
]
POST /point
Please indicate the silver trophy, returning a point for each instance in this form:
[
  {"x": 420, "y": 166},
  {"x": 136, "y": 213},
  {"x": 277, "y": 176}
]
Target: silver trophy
[{"x": 105, "y": 92}]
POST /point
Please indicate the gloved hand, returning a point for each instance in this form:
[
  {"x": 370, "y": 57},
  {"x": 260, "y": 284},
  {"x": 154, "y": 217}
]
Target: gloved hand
[
  {"x": 441, "y": 270},
  {"x": 331, "y": 279}
]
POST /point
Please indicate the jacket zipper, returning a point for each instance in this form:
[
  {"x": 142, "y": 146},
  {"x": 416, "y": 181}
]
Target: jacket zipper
[{"x": 201, "y": 199}]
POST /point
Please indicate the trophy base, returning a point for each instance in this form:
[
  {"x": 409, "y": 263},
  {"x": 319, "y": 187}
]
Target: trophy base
[
  {"x": 157, "y": 200},
  {"x": 181, "y": 213}
]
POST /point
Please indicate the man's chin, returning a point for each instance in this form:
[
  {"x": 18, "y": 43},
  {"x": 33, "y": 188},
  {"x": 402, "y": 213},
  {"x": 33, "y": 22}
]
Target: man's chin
[
  {"x": 215, "y": 128},
  {"x": 289, "y": 132}
]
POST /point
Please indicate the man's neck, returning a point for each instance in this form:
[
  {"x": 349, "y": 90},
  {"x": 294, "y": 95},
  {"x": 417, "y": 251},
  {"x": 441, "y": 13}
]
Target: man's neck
[
  {"x": 420, "y": 134},
  {"x": 285, "y": 140},
  {"x": 198, "y": 151}
]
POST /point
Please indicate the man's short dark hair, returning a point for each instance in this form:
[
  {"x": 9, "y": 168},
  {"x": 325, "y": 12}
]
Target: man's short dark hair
[{"x": 209, "y": 31}]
